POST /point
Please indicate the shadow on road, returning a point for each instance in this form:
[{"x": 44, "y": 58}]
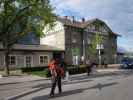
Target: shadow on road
[
  {"x": 9, "y": 83},
  {"x": 43, "y": 86},
  {"x": 22, "y": 82},
  {"x": 64, "y": 83},
  {"x": 125, "y": 73},
  {"x": 71, "y": 92},
  {"x": 75, "y": 80}
]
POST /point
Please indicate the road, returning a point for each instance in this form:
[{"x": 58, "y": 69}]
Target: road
[{"x": 109, "y": 86}]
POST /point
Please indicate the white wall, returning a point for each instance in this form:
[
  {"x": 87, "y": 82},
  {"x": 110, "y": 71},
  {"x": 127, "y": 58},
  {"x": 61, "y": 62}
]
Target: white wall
[
  {"x": 54, "y": 37},
  {"x": 20, "y": 58}
]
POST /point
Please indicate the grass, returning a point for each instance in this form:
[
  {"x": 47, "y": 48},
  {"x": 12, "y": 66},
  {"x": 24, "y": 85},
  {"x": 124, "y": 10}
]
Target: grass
[
  {"x": 19, "y": 73},
  {"x": 38, "y": 73},
  {"x": 16, "y": 72}
]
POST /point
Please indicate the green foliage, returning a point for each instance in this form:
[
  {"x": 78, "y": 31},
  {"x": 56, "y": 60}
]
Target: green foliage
[
  {"x": 97, "y": 39},
  {"x": 75, "y": 51},
  {"x": 30, "y": 69},
  {"x": 77, "y": 69},
  {"x": 19, "y": 17},
  {"x": 38, "y": 71},
  {"x": 72, "y": 69},
  {"x": 45, "y": 73},
  {"x": 114, "y": 50},
  {"x": 98, "y": 24}
]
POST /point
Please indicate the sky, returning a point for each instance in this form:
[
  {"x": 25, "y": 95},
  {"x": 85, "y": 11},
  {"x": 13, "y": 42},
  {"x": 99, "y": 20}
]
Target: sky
[{"x": 118, "y": 14}]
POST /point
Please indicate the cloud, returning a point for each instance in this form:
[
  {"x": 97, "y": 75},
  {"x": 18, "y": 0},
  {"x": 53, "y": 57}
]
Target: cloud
[{"x": 118, "y": 14}]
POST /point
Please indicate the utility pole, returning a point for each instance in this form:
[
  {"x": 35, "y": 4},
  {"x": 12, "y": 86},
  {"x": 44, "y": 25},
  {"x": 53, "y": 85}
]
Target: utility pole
[
  {"x": 99, "y": 52},
  {"x": 84, "y": 51}
]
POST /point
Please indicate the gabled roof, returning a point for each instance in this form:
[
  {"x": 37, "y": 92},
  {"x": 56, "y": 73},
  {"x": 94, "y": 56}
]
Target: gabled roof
[
  {"x": 34, "y": 48},
  {"x": 79, "y": 24},
  {"x": 70, "y": 22}
]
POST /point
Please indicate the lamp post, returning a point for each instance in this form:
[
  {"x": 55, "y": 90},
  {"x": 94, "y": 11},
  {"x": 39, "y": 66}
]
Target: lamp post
[
  {"x": 115, "y": 58},
  {"x": 99, "y": 48},
  {"x": 83, "y": 57}
]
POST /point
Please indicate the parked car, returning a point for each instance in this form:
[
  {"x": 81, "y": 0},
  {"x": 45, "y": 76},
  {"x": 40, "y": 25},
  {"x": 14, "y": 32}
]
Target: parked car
[{"x": 127, "y": 63}]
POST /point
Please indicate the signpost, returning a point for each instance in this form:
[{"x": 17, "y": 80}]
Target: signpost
[
  {"x": 75, "y": 53},
  {"x": 99, "y": 48}
]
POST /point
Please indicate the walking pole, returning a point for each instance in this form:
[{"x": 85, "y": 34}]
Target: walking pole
[{"x": 67, "y": 76}]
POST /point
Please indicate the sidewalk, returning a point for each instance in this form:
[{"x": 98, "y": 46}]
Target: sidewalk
[
  {"x": 17, "y": 86},
  {"x": 28, "y": 78},
  {"x": 20, "y": 79},
  {"x": 111, "y": 70}
]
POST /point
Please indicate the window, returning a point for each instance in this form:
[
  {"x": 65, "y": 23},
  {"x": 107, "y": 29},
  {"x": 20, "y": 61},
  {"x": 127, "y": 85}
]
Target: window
[
  {"x": 43, "y": 59},
  {"x": 74, "y": 40},
  {"x": 1, "y": 59},
  {"x": 28, "y": 61},
  {"x": 12, "y": 60},
  {"x": 74, "y": 33},
  {"x": 75, "y": 60}
]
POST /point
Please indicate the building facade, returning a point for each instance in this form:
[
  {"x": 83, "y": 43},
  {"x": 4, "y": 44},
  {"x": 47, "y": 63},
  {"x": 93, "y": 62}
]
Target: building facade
[
  {"x": 68, "y": 39},
  {"x": 29, "y": 55},
  {"x": 74, "y": 37}
]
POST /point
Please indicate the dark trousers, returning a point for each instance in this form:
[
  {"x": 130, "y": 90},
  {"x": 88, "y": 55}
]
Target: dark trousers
[
  {"x": 58, "y": 82},
  {"x": 88, "y": 70}
]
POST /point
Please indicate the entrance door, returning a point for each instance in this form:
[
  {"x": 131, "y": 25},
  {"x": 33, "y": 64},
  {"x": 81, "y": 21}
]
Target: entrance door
[
  {"x": 58, "y": 55},
  {"x": 28, "y": 61}
]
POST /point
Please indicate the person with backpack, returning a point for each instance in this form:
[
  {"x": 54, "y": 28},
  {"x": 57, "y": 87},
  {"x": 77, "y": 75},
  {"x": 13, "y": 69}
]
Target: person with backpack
[
  {"x": 57, "y": 72},
  {"x": 89, "y": 65}
]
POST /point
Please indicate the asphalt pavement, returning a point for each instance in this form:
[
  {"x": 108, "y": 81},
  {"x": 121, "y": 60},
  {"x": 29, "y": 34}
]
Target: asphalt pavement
[{"x": 100, "y": 85}]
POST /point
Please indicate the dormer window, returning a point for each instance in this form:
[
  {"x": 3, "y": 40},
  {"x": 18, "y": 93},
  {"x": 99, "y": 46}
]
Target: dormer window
[{"x": 74, "y": 40}]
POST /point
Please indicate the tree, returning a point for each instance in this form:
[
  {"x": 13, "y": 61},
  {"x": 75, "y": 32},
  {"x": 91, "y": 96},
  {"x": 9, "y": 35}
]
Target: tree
[
  {"x": 20, "y": 17},
  {"x": 97, "y": 39}
]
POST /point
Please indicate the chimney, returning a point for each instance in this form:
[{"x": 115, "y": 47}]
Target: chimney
[
  {"x": 83, "y": 20},
  {"x": 73, "y": 19},
  {"x": 66, "y": 17}
]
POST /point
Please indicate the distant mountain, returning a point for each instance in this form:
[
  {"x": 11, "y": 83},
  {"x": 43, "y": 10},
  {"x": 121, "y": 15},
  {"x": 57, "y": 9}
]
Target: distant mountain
[{"x": 121, "y": 49}]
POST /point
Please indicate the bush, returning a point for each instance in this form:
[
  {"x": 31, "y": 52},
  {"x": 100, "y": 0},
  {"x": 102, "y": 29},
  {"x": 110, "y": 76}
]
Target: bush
[
  {"x": 38, "y": 73},
  {"x": 76, "y": 69},
  {"x": 44, "y": 71},
  {"x": 47, "y": 73},
  {"x": 31, "y": 69}
]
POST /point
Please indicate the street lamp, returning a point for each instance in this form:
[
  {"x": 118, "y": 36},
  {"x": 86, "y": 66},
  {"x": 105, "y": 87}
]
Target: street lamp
[
  {"x": 83, "y": 57},
  {"x": 115, "y": 58},
  {"x": 99, "y": 48}
]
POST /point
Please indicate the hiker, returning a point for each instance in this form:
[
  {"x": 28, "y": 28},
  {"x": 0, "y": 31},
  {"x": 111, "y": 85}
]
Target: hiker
[
  {"x": 105, "y": 63},
  {"x": 88, "y": 63},
  {"x": 57, "y": 72},
  {"x": 64, "y": 66},
  {"x": 93, "y": 66}
]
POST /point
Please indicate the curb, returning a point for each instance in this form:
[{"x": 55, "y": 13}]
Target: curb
[
  {"x": 15, "y": 97},
  {"x": 113, "y": 70},
  {"x": 1, "y": 76}
]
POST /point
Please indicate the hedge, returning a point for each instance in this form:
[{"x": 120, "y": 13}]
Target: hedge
[
  {"x": 31, "y": 69},
  {"x": 72, "y": 69},
  {"x": 76, "y": 69}
]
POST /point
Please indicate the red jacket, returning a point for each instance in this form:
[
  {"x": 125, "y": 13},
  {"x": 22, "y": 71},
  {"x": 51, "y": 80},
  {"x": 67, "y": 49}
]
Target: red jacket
[{"x": 55, "y": 69}]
